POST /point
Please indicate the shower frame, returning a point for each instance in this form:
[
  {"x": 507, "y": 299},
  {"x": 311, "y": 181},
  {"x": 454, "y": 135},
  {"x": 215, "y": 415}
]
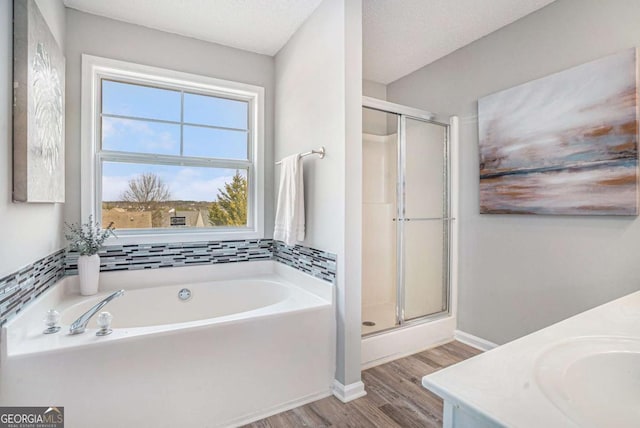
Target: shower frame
[{"x": 450, "y": 124}]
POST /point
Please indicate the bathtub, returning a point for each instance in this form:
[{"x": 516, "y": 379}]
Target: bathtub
[{"x": 254, "y": 339}]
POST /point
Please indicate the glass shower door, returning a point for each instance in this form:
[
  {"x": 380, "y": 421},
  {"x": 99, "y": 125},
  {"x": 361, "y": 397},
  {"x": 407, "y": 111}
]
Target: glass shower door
[
  {"x": 423, "y": 219},
  {"x": 405, "y": 220}
]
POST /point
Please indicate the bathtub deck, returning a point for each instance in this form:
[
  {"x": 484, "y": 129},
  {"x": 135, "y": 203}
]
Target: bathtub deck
[{"x": 395, "y": 397}]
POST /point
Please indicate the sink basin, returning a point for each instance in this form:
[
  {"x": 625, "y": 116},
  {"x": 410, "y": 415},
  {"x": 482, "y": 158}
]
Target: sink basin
[{"x": 595, "y": 381}]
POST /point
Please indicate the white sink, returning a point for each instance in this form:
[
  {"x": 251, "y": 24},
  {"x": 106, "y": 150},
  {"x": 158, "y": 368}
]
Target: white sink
[{"x": 595, "y": 381}]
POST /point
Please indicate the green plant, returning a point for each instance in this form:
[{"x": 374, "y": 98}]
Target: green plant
[
  {"x": 87, "y": 238},
  {"x": 231, "y": 207}
]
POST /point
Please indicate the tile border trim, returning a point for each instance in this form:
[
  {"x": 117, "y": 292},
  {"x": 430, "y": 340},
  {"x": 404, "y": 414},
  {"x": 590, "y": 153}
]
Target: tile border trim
[
  {"x": 320, "y": 264},
  {"x": 18, "y": 289}
]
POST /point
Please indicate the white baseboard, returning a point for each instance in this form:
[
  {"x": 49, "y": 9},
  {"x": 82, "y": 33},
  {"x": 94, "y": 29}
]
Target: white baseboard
[
  {"x": 279, "y": 409},
  {"x": 474, "y": 341},
  {"x": 346, "y": 393},
  {"x": 404, "y": 341}
]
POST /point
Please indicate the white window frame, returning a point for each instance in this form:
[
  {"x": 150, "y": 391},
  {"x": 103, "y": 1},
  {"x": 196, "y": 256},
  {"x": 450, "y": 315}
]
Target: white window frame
[{"x": 94, "y": 69}]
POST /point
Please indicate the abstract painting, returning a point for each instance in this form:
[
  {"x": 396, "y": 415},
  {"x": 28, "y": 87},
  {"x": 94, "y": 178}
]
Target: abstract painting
[
  {"x": 566, "y": 144},
  {"x": 38, "y": 109}
]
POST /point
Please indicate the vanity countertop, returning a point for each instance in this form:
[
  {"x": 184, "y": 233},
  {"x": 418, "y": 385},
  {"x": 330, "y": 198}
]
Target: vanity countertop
[{"x": 522, "y": 383}]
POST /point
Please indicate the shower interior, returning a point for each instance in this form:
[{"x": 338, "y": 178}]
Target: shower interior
[{"x": 406, "y": 222}]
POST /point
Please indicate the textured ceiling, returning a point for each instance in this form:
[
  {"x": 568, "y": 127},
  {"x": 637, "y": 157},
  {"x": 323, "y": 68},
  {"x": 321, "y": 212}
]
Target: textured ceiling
[
  {"x": 261, "y": 26},
  {"x": 401, "y": 36}
]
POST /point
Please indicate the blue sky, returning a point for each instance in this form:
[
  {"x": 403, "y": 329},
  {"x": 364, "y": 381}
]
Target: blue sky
[{"x": 141, "y": 136}]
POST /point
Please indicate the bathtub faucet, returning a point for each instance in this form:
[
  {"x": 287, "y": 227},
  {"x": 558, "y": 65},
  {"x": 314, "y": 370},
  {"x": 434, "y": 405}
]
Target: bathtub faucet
[{"x": 80, "y": 325}]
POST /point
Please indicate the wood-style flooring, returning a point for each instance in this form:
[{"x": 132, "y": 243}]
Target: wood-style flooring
[{"x": 395, "y": 396}]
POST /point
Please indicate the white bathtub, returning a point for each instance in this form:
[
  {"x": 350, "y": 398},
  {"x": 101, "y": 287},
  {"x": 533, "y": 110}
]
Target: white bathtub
[{"x": 255, "y": 338}]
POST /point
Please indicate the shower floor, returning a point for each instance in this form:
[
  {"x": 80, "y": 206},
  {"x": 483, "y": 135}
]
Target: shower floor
[{"x": 383, "y": 315}]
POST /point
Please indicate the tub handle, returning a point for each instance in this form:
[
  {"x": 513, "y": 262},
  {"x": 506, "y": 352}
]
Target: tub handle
[{"x": 104, "y": 322}]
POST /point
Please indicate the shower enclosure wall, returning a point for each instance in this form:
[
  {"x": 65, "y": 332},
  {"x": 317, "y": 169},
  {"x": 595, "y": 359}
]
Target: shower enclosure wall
[{"x": 406, "y": 217}]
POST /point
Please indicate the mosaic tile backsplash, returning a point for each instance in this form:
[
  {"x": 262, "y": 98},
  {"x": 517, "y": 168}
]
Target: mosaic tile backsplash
[
  {"x": 320, "y": 264},
  {"x": 152, "y": 256},
  {"x": 21, "y": 287}
]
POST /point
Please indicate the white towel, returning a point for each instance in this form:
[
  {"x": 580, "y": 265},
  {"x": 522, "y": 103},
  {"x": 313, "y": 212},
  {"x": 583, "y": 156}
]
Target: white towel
[{"x": 289, "y": 226}]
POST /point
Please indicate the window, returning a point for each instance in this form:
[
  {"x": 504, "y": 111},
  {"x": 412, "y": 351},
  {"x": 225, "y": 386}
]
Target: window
[{"x": 172, "y": 156}]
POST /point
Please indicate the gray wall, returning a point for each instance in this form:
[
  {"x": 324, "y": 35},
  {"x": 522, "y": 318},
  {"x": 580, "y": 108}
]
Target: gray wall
[
  {"x": 94, "y": 35},
  {"x": 373, "y": 121},
  {"x": 29, "y": 231},
  {"x": 318, "y": 103},
  {"x": 521, "y": 273},
  {"x": 374, "y": 89}
]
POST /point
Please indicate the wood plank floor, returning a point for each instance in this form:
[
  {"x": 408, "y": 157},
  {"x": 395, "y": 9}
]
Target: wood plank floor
[{"x": 395, "y": 396}]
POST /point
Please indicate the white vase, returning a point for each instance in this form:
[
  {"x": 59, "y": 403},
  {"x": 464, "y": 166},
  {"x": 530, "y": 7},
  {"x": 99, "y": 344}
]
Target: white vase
[{"x": 88, "y": 273}]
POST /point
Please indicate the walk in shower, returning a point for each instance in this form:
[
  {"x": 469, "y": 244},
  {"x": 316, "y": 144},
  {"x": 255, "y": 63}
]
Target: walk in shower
[{"x": 406, "y": 216}]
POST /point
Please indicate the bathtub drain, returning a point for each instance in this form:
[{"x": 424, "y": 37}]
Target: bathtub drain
[
  {"x": 184, "y": 294},
  {"x": 368, "y": 323}
]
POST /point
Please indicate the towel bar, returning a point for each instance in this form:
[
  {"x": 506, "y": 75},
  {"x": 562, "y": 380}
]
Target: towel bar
[{"x": 320, "y": 152}]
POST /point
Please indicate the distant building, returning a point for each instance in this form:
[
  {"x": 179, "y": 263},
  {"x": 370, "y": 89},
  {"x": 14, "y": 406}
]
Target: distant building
[
  {"x": 205, "y": 217},
  {"x": 123, "y": 219},
  {"x": 132, "y": 218},
  {"x": 192, "y": 218}
]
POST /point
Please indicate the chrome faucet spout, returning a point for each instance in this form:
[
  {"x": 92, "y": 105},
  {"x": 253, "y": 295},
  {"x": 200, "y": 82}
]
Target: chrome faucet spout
[{"x": 80, "y": 325}]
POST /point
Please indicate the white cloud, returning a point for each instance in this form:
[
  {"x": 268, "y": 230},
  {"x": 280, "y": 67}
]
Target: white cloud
[
  {"x": 142, "y": 136},
  {"x": 113, "y": 186},
  {"x": 190, "y": 185},
  {"x": 187, "y": 184}
]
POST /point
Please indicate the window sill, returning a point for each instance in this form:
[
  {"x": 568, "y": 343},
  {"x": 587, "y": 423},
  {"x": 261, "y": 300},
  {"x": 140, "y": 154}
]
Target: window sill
[{"x": 155, "y": 237}]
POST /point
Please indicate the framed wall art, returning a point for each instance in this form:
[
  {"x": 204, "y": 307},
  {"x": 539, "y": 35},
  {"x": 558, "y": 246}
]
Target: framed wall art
[
  {"x": 38, "y": 110},
  {"x": 565, "y": 144}
]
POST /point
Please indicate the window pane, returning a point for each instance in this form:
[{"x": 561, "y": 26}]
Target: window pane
[
  {"x": 207, "y": 110},
  {"x": 144, "y": 196},
  {"x": 125, "y": 99},
  {"x": 214, "y": 143},
  {"x": 140, "y": 136}
]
